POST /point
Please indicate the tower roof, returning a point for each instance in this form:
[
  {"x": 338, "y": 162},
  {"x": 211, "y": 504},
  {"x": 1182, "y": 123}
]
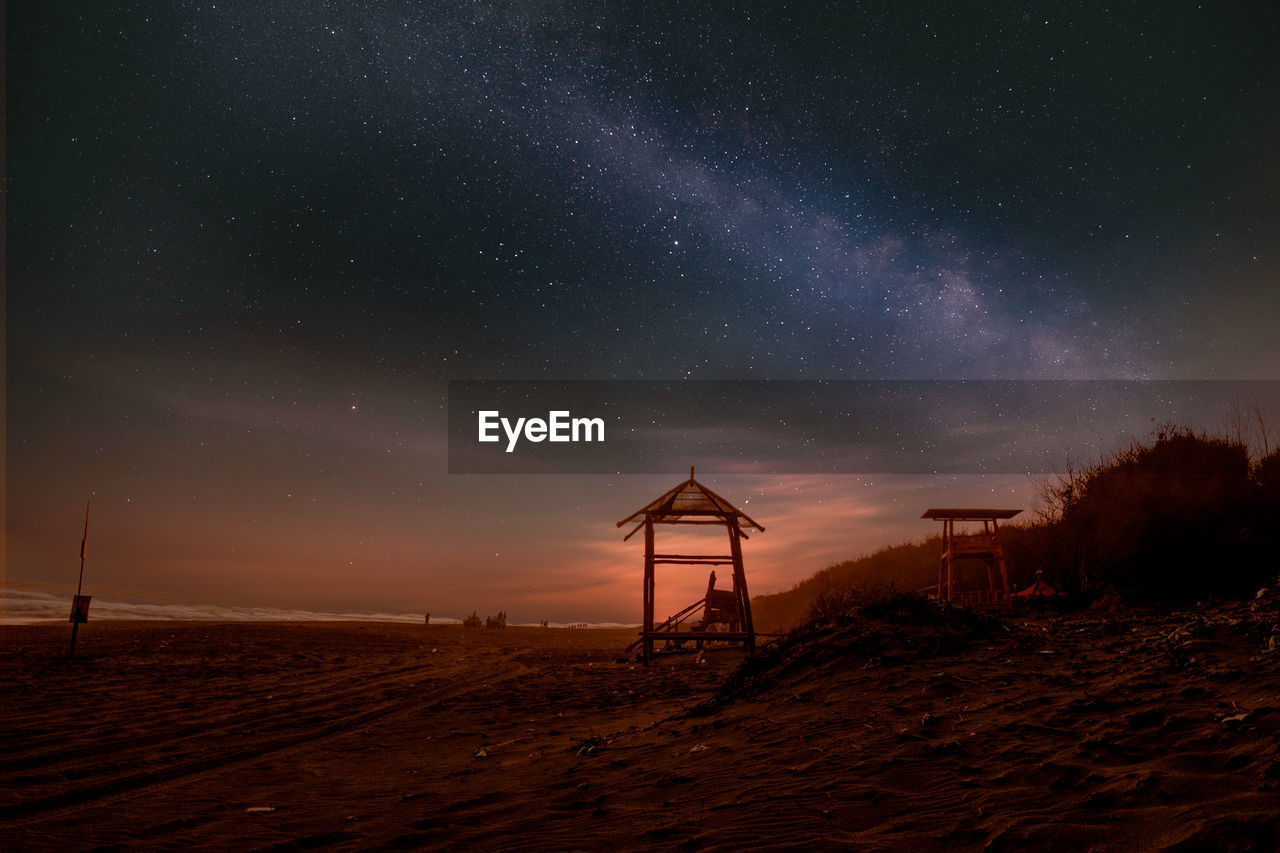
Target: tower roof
[
  {"x": 690, "y": 502},
  {"x": 970, "y": 514}
]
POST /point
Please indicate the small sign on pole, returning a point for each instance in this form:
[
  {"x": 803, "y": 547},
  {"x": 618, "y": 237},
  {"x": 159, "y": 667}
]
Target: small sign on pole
[
  {"x": 80, "y": 608},
  {"x": 80, "y": 604}
]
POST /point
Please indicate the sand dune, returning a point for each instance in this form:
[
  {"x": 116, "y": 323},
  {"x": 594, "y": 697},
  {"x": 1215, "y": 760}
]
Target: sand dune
[{"x": 900, "y": 731}]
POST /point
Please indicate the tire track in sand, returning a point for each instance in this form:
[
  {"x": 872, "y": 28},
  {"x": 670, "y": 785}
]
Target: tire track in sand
[
  {"x": 42, "y": 808},
  {"x": 252, "y": 719}
]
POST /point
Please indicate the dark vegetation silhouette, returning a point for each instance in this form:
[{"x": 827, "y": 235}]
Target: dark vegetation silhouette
[
  {"x": 837, "y": 588},
  {"x": 870, "y": 621},
  {"x": 1181, "y": 516}
]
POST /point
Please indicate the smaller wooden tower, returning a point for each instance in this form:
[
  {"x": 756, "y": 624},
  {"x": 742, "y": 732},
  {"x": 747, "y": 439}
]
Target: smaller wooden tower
[
  {"x": 972, "y": 545},
  {"x": 693, "y": 503}
]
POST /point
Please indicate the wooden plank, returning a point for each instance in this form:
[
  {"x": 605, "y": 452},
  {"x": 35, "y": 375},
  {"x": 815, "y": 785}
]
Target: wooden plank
[
  {"x": 727, "y": 636},
  {"x": 693, "y": 556},
  {"x": 969, "y": 514}
]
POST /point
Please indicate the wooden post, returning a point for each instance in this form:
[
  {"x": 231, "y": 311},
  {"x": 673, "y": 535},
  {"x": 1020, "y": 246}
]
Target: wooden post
[
  {"x": 1004, "y": 574},
  {"x": 740, "y": 584},
  {"x": 943, "y": 593},
  {"x": 948, "y": 527},
  {"x": 648, "y": 589},
  {"x": 991, "y": 563},
  {"x": 942, "y": 565}
]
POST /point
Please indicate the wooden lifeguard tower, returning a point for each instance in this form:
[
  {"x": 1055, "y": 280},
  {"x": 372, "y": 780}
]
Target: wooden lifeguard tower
[
  {"x": 693, "y": 503},
  {"x": 970, "y": 544}
]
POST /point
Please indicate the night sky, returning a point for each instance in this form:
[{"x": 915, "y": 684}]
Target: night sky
[{"x": 249, "y": 243}]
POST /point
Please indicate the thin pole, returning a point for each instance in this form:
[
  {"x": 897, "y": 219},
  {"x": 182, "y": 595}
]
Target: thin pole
[
  {"x": 648, "y": 590},
  {"x": 75, "y": 616},
  {"x": 740, "y": 584}
]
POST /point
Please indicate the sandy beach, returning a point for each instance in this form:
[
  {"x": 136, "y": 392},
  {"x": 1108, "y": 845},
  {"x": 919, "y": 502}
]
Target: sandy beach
[{"x": 1131, "y": 730}]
